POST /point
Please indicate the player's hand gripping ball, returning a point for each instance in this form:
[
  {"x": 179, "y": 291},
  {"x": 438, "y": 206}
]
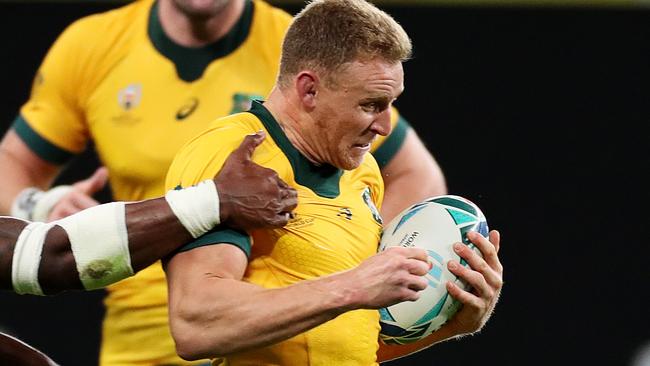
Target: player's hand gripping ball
[{"x": 434, "y": 225}]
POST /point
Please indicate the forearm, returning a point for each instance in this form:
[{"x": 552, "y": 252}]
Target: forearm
[
  {"x": 153, "y": 231},
  {"x": 230, "y": 316},
  {"x": 21, "y": 168}
]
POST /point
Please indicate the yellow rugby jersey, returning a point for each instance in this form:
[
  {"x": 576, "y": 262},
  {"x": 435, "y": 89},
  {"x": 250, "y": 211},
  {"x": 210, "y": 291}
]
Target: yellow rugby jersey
[
  {"x": 336, "y": 227},
  {"x": 115, "y": 78}
]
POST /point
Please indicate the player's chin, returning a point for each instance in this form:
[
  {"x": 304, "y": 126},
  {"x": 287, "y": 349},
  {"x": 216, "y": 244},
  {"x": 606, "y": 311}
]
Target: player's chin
[{"x": 352, "y": 161}]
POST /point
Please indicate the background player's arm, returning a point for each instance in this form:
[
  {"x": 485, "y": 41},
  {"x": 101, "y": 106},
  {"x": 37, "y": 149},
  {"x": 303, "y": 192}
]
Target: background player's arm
[
  {"x": 410, "y": 176},
  {"x": 485, "y": 275},
  {"x": 214, "y": 313},
  {"x": 21, "y": 168}
]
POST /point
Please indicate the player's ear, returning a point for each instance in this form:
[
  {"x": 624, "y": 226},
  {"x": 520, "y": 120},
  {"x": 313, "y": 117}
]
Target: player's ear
[{"x": 306, "y": 87}]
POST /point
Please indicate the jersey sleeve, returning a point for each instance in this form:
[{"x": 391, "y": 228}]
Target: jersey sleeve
[
  {"x": 386, "y": 147},
  {"x": 202, "y": 158},
  {"x": 52, "y": 121}
]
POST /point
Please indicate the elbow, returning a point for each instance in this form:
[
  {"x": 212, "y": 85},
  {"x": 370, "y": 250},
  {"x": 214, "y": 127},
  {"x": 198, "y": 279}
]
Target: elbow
[
  {"x": 195, "y": 341},
  {"x": 190, "y": 347}
]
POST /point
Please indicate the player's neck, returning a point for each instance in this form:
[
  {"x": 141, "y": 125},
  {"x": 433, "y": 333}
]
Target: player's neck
[
  {"x": 196, "y": 32},
  {"x": 288, "y": 117}
]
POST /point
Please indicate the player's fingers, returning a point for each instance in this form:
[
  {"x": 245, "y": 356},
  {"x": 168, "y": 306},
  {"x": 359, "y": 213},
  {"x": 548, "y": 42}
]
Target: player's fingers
[
  {"x": 488, "y": 250},
  {"x": 473, "y": 278},
  {"x": 478, "y": 264},
  {"x": 465, "y": 297},
  {"x": 417, "y": 267},
  {"x": 247, "y": 147},
  {"x": 289, "y": 204},
  {"x": 94, "y": 183},
  {"x": 418, "y": 283},
  {"x": 495, "y": 239},
  {"x": 81, "y": 201}
]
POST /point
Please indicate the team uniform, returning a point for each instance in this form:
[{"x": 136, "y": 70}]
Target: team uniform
[
  {"x": 115, "y": 78},
  {"x": 336, "y": 227}
]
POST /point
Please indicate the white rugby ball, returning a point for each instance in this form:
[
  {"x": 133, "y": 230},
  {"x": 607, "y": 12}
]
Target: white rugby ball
[{"x": 435, "y": 225}]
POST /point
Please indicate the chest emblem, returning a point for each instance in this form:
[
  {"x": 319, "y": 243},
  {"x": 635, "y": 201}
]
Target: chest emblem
[
  {"x": 186, "y": 109},
  {"x": 241, "y": 102},
  {"x": 130, "y": 96},
  {"x": 367, "y": 198}
]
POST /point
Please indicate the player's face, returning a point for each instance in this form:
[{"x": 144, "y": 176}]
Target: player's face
[
  {"x": 356, "y": 109},
  {"x": 201, "y": 8}
]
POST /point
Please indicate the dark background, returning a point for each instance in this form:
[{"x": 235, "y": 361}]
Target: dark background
[{"x": 537, "y": 115}]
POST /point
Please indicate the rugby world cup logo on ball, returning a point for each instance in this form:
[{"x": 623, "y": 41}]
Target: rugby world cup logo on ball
[{"x": 434, "y": 225}]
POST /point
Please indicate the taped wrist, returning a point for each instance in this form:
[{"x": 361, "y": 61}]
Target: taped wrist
[
  {"x": 27, "y": 258},
  {"x": 100, "y": 244},
  {"x": 196, "y": 207},
  {"x": 34, "y": 204}
]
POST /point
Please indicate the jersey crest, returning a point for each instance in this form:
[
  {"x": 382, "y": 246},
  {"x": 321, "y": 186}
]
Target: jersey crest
[{"x": 367, "y": 198}]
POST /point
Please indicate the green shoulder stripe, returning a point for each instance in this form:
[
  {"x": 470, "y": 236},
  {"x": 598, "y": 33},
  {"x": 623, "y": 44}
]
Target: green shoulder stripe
[
  {"x": 323, "y": 180},
  {"x": 386, "y": 151},
  {"x": 39, "y": 145},
  {"x": 221, "y": 235}
]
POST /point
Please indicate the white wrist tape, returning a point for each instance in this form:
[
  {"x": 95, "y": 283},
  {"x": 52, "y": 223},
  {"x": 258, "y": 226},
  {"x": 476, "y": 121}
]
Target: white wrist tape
[
  {"x": 100, "y": 244},
  {"x": 27, "y": 258},
  {"x": 196, "y": 207},
  {"x": 35, "y": 205}
]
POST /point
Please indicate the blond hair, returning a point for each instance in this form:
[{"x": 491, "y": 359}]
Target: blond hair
[{"x": 327, "y": 34}]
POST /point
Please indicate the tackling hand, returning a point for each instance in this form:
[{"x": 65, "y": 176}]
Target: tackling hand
[{"x": 251, "y": 196}]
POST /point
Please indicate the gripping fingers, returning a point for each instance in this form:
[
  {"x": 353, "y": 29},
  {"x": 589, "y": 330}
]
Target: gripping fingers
[
  {"x": 478, "y": 264},
  {"x": 464, "y": 297},
  {"x": 475, "y": 279},
  {"x": 488, "y": 248}
]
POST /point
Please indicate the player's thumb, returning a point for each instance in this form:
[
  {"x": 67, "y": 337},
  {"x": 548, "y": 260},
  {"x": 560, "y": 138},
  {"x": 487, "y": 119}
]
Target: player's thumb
[
  {"x": 94, "y": 183},
  {"x": 247, "y": 147}
]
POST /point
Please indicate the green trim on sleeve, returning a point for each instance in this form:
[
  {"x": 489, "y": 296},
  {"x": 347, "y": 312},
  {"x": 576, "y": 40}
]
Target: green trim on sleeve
[
  {"x": 39, "y": 145},
  {"x": 221, "y": 235},
  {"x": 386, "y": 151}
]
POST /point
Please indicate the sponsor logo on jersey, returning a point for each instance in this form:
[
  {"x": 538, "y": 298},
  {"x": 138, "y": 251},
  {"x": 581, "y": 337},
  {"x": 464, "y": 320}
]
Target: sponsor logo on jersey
[
  {"x": 130, "y": 96},
  {"x": 186, "y": 109},
  {"x": 367, "y": 198},
  {"x": 345, "y": 212},
  {"x": 241, "y": 102}
]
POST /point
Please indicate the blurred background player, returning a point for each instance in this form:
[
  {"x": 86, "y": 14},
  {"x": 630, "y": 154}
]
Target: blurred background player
[
  {"x": 152, "y": 76},
  {"x": 306, "y": 294}
]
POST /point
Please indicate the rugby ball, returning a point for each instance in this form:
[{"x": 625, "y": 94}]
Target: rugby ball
[{"x": 434, "y": 225}]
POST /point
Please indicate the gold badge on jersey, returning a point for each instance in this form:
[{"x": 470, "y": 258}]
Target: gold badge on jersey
[{"x": 128, "y": 98}]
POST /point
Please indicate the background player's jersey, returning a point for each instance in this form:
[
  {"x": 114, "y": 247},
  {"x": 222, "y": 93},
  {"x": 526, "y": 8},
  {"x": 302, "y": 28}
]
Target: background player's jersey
[
  {"x": 117, "y": 79},
  {"x": 337, "y": 225}
]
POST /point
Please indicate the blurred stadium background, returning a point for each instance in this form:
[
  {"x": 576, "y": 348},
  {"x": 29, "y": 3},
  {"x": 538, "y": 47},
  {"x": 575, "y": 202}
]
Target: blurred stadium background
[{"x": 535, "y": 110}]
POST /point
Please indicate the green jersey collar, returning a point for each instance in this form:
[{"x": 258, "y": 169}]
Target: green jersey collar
[
  {"x": 192, "y": 62},
  {"x": 322, "y": 179}
]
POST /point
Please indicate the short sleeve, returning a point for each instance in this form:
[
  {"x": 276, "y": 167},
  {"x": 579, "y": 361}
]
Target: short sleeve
[
  {"x": 52, "y": 121},
  {"x": 200, "y": 159}
]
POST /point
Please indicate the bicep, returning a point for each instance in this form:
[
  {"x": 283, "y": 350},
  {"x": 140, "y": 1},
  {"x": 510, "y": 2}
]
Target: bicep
[{"x": 187, "y": 272}]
